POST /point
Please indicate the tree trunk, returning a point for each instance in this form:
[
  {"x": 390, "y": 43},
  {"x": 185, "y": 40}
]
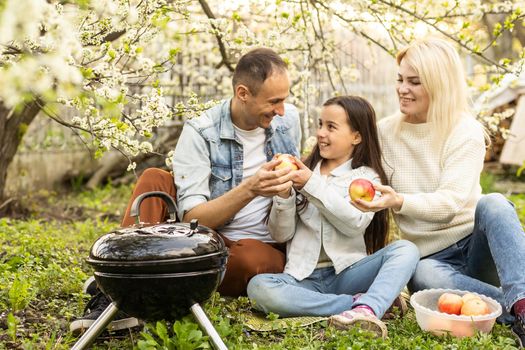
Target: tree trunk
[{"x": 13, "y": 125}]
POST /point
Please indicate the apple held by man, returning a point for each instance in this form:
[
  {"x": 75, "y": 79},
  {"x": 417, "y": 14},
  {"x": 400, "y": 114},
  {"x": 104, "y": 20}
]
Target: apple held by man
[{"x": 287, "y": 161}]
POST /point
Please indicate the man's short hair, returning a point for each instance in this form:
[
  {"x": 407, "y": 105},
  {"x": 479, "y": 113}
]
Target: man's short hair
[{"x": 255, "y": 67}]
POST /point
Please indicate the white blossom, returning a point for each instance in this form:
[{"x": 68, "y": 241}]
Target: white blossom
[
  {"x": 128, "y": 67},
  {"x": 132, "y": 166}
]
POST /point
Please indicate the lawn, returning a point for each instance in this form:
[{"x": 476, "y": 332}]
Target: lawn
[{"x": 42, "y": 270}]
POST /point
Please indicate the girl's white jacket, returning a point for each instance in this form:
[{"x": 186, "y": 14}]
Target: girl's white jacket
[{"x": 329, "y": 217}]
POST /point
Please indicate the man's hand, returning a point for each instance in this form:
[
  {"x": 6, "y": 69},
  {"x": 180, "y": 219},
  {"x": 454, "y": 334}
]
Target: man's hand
[
  {"x": 265, "y": 182},
  {"x": 268, "y": 182},
  {"x": 389, "y": 199}
]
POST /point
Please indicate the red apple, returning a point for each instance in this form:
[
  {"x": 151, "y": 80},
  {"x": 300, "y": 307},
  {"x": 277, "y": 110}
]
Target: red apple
[
  {"x": 287, "y": 161},
  {"x": 474, "y": 307},
  {"x": 362, "y": 189},
  {"x": 450, "y": 303}
]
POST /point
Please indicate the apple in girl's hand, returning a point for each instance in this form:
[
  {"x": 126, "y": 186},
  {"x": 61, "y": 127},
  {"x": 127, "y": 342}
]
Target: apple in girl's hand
[
  {"x": 362, "y": 189},
  {"x": 287, "y": 161},
  {"x": 474, "y": 307},
  {"x": 450, "y": 303}
]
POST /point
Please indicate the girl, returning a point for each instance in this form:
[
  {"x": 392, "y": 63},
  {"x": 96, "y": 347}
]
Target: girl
[{"x": 328, "y": 238}]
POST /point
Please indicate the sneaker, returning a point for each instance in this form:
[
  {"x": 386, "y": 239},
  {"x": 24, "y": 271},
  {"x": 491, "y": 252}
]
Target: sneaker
[
  {"x": 94, "y": 309},
  {"x": 359, "y": 317},
  {"x": 518, "y": 328},
  {"x": 90, "y": 287},
  {"x": 399, "y": 308}
]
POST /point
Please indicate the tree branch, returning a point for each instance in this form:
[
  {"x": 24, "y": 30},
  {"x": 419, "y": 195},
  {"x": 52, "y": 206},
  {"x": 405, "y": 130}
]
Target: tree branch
[
  {"x": 449, "y": 36},
  {"x": 360, "y": 32},
  {"x": 222, "y": 48},
  {"x": 113, "y": 36}
]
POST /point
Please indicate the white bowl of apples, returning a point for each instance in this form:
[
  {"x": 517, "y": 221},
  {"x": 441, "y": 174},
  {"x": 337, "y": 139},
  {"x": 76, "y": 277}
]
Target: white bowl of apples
[{"x": 456, "y": 312}]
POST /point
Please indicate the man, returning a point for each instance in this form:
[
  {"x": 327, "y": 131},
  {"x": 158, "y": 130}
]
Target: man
[{"x": 224, "y": 174}]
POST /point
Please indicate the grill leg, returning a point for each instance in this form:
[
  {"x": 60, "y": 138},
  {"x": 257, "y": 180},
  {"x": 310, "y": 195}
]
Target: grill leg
[
  {"x": 205, "y": 324},
  {"x": 96, "y": 328}
]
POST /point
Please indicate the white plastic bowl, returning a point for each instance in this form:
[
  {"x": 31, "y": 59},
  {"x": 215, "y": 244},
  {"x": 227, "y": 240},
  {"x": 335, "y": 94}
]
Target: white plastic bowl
[{"x": 439, "y": 323}]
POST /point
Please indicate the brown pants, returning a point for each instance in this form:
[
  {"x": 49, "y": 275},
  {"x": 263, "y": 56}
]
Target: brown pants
[{"x": 247, "y": 257}]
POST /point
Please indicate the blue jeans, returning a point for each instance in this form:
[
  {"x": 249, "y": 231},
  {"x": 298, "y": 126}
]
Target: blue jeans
[
  {"x": 490, "y": 261},
  {"x": 380, "y": 276}
]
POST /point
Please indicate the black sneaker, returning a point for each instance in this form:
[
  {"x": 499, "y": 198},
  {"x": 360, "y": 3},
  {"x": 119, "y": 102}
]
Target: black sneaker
[
  {"x": 94, "y": 309},
  {"x": 518, "y": 328}
]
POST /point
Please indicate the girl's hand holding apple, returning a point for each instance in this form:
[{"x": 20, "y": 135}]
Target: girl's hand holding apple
[
  {"x": 301, "y": 176},
  {"x": 300, "y": 173}
]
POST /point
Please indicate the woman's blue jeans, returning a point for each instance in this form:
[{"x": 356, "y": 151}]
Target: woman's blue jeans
[
  {"x": 380, "y": 276},
  {"x": 490, "y": 261}
]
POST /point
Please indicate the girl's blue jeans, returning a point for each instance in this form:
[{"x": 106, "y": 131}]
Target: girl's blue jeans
[
  {"x": 490, "y": 261},
  {"x": 380, "y": 276}
]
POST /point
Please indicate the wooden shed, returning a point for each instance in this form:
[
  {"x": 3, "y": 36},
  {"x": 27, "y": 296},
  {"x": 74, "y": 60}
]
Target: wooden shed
[{"x": 510, "y": 94}]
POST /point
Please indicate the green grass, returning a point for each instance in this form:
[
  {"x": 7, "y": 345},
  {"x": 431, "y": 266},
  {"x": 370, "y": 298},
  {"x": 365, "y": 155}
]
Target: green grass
[
  {"x": 519, "y": 202},
  {"x": 487, "y": 181},
  {"x": 42, "y": 270}
]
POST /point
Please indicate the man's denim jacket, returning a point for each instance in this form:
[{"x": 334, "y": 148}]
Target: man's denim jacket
[{"x": 208, "y": 159}]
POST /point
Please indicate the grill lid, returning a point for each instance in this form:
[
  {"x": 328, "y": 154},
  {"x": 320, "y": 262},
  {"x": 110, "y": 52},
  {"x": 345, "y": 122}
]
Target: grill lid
[
  {"x": 163, "y": 241},
  {"x": 170, "y": 240}
]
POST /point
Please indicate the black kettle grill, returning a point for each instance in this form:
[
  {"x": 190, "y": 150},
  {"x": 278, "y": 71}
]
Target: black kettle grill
[{"x": 157, "y": 272}]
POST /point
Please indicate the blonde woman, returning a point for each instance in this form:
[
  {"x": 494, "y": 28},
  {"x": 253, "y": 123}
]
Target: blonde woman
[{"x": 433, "y": 153}]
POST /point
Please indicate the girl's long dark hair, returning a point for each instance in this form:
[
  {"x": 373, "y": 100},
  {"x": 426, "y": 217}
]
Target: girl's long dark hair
[{"x": 361, "y": 118}]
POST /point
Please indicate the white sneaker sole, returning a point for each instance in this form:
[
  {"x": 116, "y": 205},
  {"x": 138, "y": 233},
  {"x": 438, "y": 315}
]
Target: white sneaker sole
[
  {"x": 365, "y": 323},
  {"x": 518, "y": 340},
  {"x": 79, "y": 326}
]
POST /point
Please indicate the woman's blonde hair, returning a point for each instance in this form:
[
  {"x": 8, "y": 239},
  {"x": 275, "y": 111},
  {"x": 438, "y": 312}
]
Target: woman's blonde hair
[{"x": 441, "y": 72}]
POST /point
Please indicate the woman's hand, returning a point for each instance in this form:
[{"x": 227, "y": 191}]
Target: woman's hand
[
  {"x": 388, "y": 199},
  {"x": 301, "y": 176}
]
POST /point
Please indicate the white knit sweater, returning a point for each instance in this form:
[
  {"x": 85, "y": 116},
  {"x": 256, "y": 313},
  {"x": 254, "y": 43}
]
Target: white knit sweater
[{"x": 440, "y": 188}]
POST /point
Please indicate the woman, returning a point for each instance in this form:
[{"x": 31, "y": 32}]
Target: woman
[{"x": 433, "y": 154}]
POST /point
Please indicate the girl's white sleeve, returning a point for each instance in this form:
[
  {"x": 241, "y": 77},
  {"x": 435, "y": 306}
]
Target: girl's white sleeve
[
  {"x": 336, "y": 207},
  {"x": 283, "y": 218}
]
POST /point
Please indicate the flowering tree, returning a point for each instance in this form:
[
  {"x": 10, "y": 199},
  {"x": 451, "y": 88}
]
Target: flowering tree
[{"x": 114, "y": 63}]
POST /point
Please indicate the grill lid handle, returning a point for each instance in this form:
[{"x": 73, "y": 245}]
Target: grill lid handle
[
  {"x": 194, "y": 223},
  {"x": 135, "y": 207}
]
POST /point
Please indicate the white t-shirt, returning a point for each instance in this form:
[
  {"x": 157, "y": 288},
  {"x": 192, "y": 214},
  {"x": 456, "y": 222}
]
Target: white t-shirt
[{"x": 249, "y": 221}]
